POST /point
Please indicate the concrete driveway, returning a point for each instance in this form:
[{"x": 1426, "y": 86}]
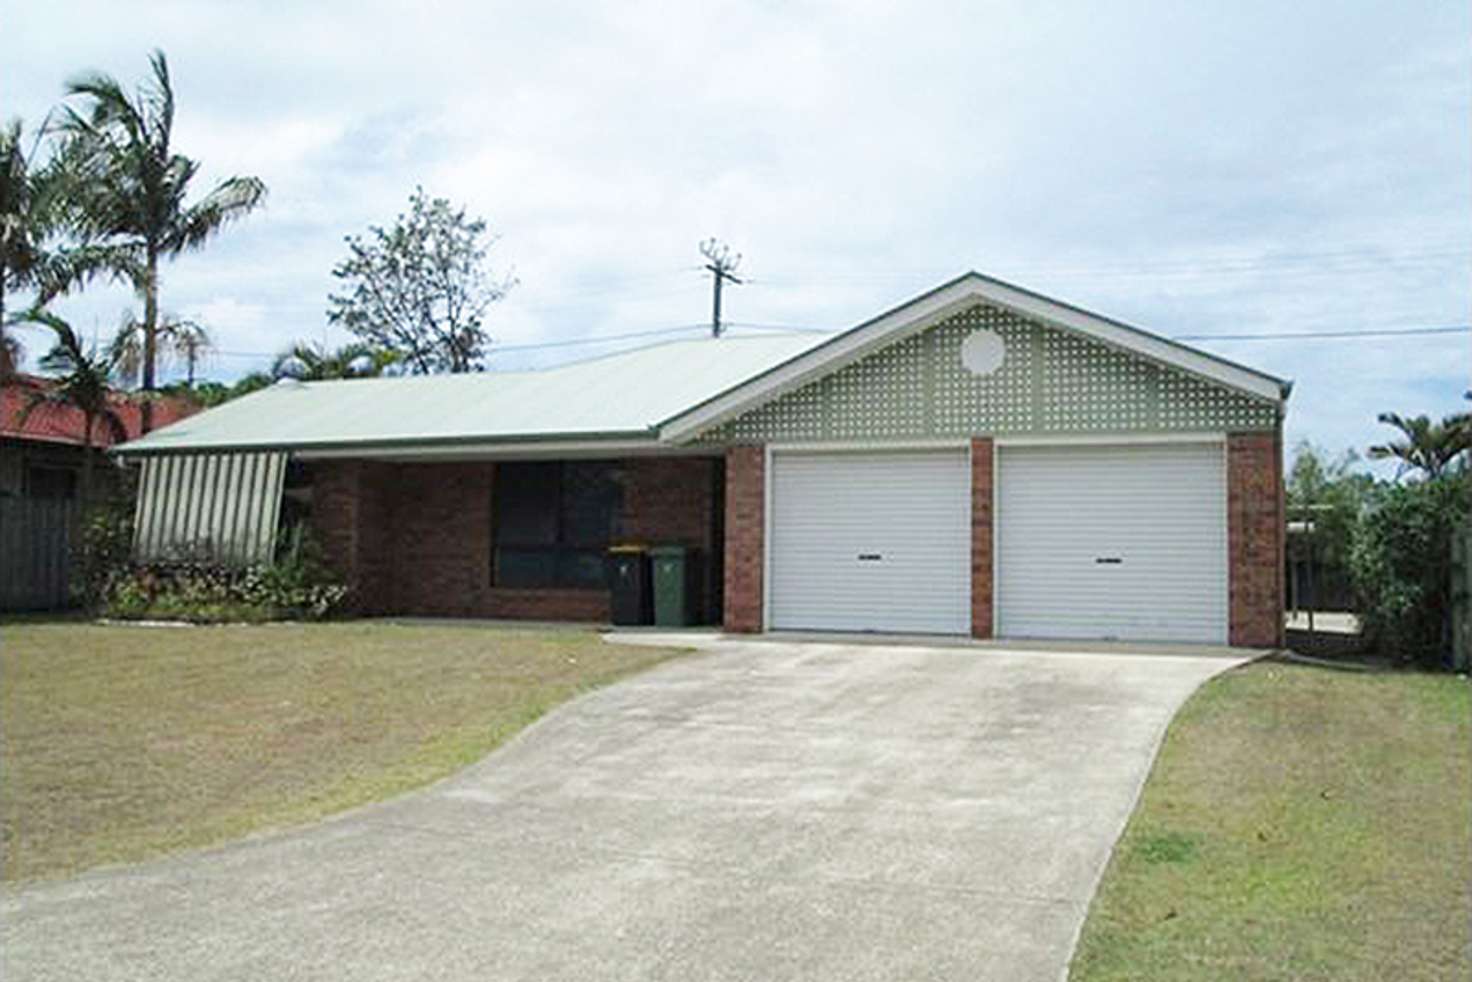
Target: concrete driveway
[{"x": 762, "y": 811}]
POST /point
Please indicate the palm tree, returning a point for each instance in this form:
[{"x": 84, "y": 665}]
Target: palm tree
[
  {"x": 128, "y": 189},
  {"x": 26, "y": 220},
  {"x": 1428, "y": 447},
  {"x": 314, "y": 363},
  {"x": 82, "y": 381},
  {"x": 189, "y": 342},
  {"x": 177, "y": 337}
]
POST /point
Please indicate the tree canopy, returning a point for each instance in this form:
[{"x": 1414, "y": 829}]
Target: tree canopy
[
  {"x": 1426, "y": 448},
  {"x": 314, "y": 363},
  {"x": 421, "y": 288}
]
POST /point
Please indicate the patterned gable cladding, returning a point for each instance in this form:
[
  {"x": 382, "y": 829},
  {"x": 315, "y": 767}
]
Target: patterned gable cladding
[{"x": 1050, "y": 381}]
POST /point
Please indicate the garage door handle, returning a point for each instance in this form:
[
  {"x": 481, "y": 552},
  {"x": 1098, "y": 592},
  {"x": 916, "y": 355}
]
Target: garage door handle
[
  {"x": 870, "y": 557},
  {"x": 1108, "y": 560}
]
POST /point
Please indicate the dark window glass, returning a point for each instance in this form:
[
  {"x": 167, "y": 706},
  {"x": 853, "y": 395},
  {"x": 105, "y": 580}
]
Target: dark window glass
[
  {"x": 519, "y": 567},
  {"x": 552, "y": 522},
  {"x": 589, "y": 504},
  {"x": 526, "y": 504},
  {"x": 583, "y": 568}
]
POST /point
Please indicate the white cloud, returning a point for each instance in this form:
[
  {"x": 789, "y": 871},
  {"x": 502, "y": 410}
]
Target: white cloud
[{"x": 1187, "y": 167}]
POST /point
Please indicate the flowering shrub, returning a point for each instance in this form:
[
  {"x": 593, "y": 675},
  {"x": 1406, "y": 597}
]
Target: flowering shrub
[
  {"x": 297, "y": 586},
  {"x": 105, "y": 544}
]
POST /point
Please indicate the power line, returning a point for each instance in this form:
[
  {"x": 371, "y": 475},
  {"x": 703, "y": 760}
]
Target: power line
[
  {"x": 1320, "y": 263},
  {"x": 531, "y": 346},
  {"x": 751, "y": 325},
  {"x": 595, "y": 339},
  {"x": 1298, "y": 335}
]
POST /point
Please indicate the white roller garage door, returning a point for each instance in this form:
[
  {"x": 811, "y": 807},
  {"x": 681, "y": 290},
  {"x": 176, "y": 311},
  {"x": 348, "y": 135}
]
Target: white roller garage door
[
  {"x": 871, "y": 542},
  {"x": 1122, "y": 541}
]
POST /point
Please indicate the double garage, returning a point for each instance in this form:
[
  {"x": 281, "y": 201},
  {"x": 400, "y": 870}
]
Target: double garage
[{"x": 1106, "y": 540}]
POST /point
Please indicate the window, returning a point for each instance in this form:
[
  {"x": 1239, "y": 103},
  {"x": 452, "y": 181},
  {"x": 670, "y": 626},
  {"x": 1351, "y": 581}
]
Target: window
[{"x": 551, "y": 523}]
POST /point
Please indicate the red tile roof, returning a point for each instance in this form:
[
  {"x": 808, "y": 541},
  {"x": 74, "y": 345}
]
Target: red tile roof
[{"x": 57, "y": 423}]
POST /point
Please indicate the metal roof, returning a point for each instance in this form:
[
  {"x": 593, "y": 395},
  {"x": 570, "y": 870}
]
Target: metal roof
[{"x": 627, "y": 394}]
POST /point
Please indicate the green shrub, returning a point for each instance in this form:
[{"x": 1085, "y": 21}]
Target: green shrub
[
  {"x": 104, "y": 546},
  {"x": 1402, "y": 567},
  {"x": 296, "y": 586}
]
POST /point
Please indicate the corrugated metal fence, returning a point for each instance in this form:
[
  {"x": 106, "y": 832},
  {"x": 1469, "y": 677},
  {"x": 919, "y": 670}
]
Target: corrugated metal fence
[
  {"x": 223, "y": 506},
  {"x": 35, "y": 553}
]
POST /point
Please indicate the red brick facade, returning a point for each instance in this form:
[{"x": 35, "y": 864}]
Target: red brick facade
[
  {"x": 1255, "y": 536},
  {"x": 417, "y": 538},
  {"x": 746, "y": 502},
  {"x": 982, "y": 624},
  {"x": 350, "y": 520}
]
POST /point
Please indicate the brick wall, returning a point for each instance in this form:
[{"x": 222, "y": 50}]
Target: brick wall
[
  {"x": 745, "y": 532},
  {"x": 442, "y": 538},
  {"x": 417, "y": 538},
  {"x": 982, "y": 624},
  {"x": 671, "y": 501},
  {"x": 1255, "y": 532},
  {"x": 350, "y": 520}
]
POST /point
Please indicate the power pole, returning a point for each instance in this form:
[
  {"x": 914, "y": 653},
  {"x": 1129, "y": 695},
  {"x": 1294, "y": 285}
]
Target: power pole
[{"x": 722, "y": 266}]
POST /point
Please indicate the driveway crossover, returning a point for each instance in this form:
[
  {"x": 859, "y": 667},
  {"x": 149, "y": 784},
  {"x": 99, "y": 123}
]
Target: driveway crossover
[{"x": 760, "y": 811}]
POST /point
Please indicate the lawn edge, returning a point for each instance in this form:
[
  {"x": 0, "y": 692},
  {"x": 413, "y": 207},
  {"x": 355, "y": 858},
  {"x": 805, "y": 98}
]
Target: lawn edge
[{"x": 1141, "y": 780}]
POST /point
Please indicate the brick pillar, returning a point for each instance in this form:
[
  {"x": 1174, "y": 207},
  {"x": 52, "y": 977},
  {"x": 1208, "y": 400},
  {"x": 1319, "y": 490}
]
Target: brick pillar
[
  {"x": 746, "y": 501},
  {"x": 982, "y": 624},
  {"x": 1255, "y": 533}
]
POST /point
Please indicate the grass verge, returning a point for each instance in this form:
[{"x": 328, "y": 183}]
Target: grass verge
[
  {"x": 1300, "y": 823},
  {"x": 123, "y": 742}
]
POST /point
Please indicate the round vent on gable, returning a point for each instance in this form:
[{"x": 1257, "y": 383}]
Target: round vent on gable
[{"x": 983, "y": 352}]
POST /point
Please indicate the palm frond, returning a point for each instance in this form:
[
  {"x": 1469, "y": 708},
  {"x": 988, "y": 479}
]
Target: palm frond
[
  {"x": 1429, "y": 448},
  {"x": 109, "y": 106},
  {"x": 230, "y": 200},
  {"x": 35, "y": 400},
  {"x": 67, "y": 269},
  {"x": 38, "y": 315},
  {"x": 125, "y": 351},
  {"x": 300, "y": 361},
  {"x": 115, "y": 425}
]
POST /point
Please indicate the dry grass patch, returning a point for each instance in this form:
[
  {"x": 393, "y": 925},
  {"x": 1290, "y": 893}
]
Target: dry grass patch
[
  {"x": 1300, "y": 823},
  {"x": 122, "y": 742}
]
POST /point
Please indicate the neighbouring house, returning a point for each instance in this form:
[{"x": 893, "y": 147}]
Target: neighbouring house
[
  {"x": 41, "y": 453},
  {"x": 979, "y": 460},
  {"x": 41, "y": 462}
]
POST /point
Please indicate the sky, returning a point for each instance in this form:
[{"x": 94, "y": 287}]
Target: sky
[{"x": 1212, "y": 168}]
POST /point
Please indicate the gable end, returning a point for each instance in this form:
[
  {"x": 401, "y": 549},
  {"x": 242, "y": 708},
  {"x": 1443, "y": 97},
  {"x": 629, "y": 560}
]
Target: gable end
[{"x": 1051, "y": 382}]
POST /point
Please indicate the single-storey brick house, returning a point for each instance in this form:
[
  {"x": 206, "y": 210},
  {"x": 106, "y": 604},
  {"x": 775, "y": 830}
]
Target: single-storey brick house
[{"x": 980, "y": 460}]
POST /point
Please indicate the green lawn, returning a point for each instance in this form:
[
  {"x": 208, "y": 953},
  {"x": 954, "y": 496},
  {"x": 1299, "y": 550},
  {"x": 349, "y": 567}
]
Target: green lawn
[
  {"x": 1300, "y": 823},
  {"x": 122, "y": 742}
]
